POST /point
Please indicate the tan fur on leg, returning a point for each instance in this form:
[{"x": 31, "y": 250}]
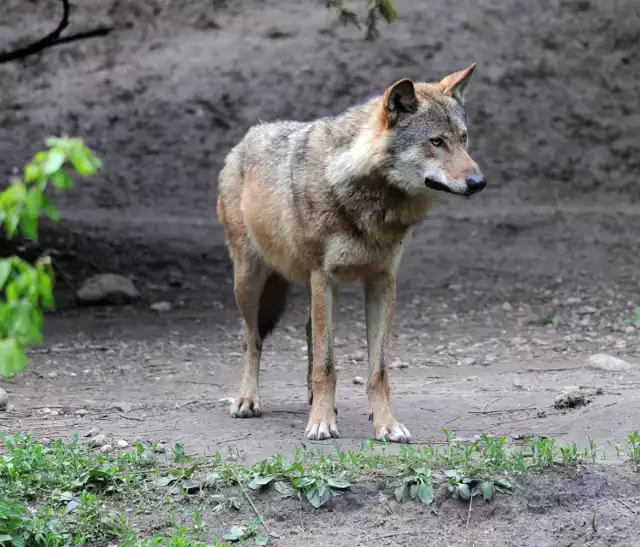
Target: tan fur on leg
[
  {"x": 380, "y": 294},
  {"x": 322, "y": 418}
]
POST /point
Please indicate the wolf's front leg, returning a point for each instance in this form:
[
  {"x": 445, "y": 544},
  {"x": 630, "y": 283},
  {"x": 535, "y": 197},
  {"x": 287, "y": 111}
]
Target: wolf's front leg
[
  {"x": 324, "y": 301},
  {"x": 380, "y": 296}
]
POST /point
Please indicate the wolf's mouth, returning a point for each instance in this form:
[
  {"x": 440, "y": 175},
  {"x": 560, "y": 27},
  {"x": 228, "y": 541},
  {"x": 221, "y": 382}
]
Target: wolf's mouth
[{"x": 435, "y": 185}]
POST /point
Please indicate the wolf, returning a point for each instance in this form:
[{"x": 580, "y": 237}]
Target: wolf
[{"x": 331, "y": 201}]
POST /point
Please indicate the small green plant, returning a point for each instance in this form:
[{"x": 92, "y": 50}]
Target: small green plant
[
  {"x": 544, "y": 320},
  {"x": 636, "y": 318},
  {"x": 634, "y": 448},
  {"x": 415, "y": 484},
  {"x": 376, "y": 10},
  {"x": 572, "y": 455},
  {"x": 248, "y": 534},
  {"x": 27, "y": 290}
]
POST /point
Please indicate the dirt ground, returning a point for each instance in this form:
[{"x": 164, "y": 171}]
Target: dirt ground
[{"x": 555, "y": 126}]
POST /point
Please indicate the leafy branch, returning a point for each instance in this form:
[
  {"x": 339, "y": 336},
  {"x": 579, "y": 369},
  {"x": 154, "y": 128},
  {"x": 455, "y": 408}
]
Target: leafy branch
[{"x": 27, "y": 290}]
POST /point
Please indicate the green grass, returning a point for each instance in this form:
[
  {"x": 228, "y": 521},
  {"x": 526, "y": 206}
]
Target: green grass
[{"x": 63, "y": 494}]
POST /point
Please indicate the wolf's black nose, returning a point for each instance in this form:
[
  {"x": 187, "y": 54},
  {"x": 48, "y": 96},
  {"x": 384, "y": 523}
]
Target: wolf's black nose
[{"x": 476, "y": 183}]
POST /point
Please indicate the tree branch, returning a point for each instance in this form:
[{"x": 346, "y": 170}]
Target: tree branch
[{"x": 54, "y": 38}]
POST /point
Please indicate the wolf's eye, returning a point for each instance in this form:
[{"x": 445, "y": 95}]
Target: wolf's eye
[{"x": 437, "y": 142}]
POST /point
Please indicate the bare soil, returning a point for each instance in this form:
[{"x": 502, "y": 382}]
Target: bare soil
[{"x": 555, "y": 126}]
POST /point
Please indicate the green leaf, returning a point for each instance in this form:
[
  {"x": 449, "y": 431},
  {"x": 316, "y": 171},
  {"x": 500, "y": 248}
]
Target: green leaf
[
  {"x": 5, "y": 537},
  {"x": 33, "y": 201},
  {"x": 401, "y": 493},
  {"x": 55, "y": 160},
  {"x": 259, "y": 481},
  {"x": 464, "y": 491},
  {"x": 50, "y": 209},
  {"x": 61, "y": 180},
  {"x": 318, "y": 495},
  {"x": 426, "y": 493},
  {"x": 82, "y": 163},
  {"x": 488, "y": 490},
  {"x": 413, "y": 491},
  {"x": 29, "y": 227},
  {"x": 261, "y": 539},
  {"x": 31, "y": 172},
  {"x": 305, "y": 482},
  {"x": 163, "y": 481},
  {"x": 282, "y": 488},
  {"x": 504, "y": 483},
  {"x": 5, "y": 271},
  {"x": 340, "y": 484},
  {"x": 235, "y": 534}
]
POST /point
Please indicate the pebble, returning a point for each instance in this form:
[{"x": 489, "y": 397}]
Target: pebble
[
  {"x": 161, "y": 306},
  {"x": 81, "y": 412},
  {"x": 93, "y": 431},
  {"x": 468, "y": 362},
  {"x": 99, "y": 441},
  {"x": 105, "y": 449},
  {"x": 358, "y": 380},
  {"x": 4, "y": 399},
  {"x": 107, "y": 289},
  {"x": 399, "y": 365},
  {"x": 122, "y": 407},
  {"x": 602, "y": 361},
  {"x": 122, "y": 443},
  {"x": 160, "y": 448},
  {"x": 517, "y": 383},
  {"x": 54, "y": 413},
  {"x": 507, "y": 307},
  {"x": 358, "y": 356}
]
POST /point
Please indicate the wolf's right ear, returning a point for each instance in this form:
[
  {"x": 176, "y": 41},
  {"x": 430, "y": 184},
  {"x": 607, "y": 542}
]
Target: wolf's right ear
[{"x": 399, "y": 99}]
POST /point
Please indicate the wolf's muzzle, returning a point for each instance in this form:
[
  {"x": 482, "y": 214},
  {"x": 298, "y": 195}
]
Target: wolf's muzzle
[{"x": 475, "y": 184}]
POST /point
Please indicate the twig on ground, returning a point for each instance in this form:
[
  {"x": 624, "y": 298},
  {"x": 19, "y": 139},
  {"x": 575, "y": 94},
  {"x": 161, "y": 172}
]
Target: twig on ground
[
  {"x": 491, "y": 402},
  {"x": 255, "y": 509},
  {"x": 469, "y": 513},
  {"x": 503, "y": 410}
]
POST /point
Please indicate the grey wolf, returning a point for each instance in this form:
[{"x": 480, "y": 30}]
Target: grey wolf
[{"x": 335, "y": 200}]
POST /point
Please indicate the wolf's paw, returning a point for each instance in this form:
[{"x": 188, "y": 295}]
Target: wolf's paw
[
  {"x": 322, "y": 424},
  {"x": 394, "y": 432},
  {"x": 245, "y": 407},
  {"x": 322, "y": 430}
]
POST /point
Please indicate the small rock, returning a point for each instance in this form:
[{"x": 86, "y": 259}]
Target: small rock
[
  {"x": 105, "y": 449},
  {"x": 473, "y": 378},
  {"x": 358, "y": 380},
  {"x": 4, "y": 399},
  {"x": 122, "y": 443},
  {"x": 468, "y": 362},
  {"x": 517, "y": 383},
  {"x": 176, "y": 277},
  {"x": 99, "y": 441},
  {"x": 107, "y": 289},
  {"x": 507, "y": 307},
  {"x": 162, "y": 306},
  {"x": 587, "y": 310},
  {"x": 489, "y": 359},
  {"x": 602, "y": 361},
  {"x": 399, "y": 365},
  {"x": 81, "y": 412},
  {"x": 571, "y": 399},
  {"x": 93, "y": 431},
  {"x": 122, "y": 407},
  {"x": 54, "y": 413},
  {"x": 358, "y": 356},
  {"x": 160, "y": 448},
  {"x": 558, "y": 321},
  {"x": 541, "y": 413},
  {"x": 46, "y": 410}
]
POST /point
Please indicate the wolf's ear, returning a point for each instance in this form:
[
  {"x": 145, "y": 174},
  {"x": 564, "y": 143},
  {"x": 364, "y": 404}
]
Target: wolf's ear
[
  {"x": 456, "y": 84},
  {"x": 399, "y": 99}
]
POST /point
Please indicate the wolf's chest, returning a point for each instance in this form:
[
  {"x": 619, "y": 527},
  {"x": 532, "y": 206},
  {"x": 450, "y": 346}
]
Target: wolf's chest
[{"x": 347, "y": 258}]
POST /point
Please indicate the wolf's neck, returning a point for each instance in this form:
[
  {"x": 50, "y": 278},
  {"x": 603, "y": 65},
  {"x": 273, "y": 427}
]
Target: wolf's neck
[{"x": 355, "y": 136}]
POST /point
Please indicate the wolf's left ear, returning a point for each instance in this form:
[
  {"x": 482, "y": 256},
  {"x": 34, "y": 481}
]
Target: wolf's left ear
[
  {"x": 456, "y": 84},
  {"x": 399, "y": 99}
]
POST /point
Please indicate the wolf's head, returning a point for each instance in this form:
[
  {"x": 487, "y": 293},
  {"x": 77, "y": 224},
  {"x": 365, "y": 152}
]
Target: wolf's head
[{"x": 426, "y": 136}]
